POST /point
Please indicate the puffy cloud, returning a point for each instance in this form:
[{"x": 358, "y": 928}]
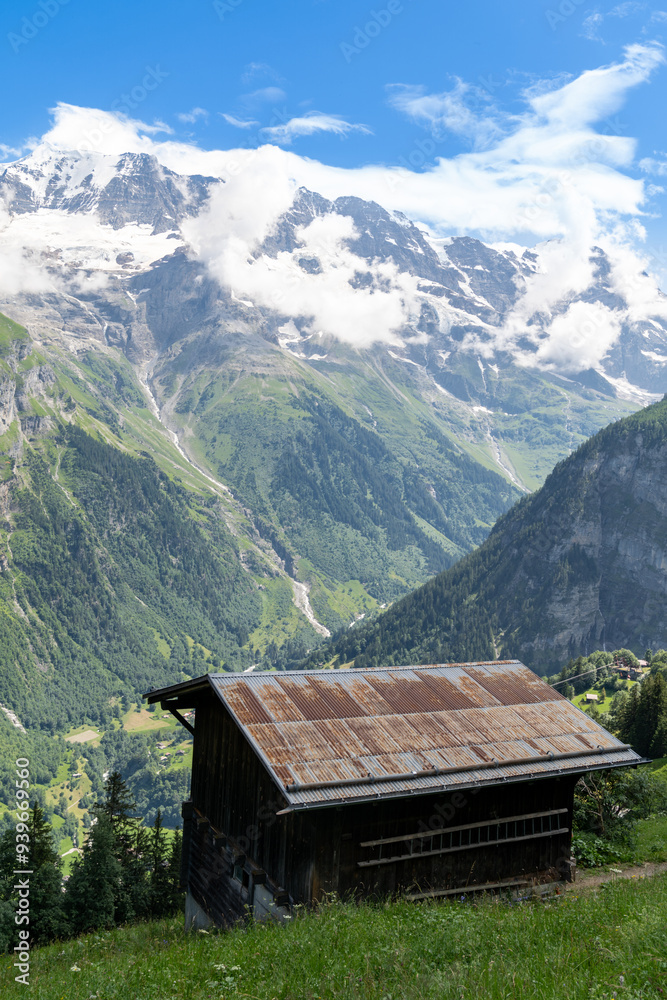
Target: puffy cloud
[
  {"x": 227, "y": 237},
  {"x": 19, "y": 270},
  {"x": 544, "y": 175},
  {"x": 578, "y": 338},
  {"x": 638, "y": 288},
  {"x": 652, "y": 166},
  {"x": 448, "y": 111},
  {"x": 190, "y": 117},
  {"x": 89, "y": 129},
  {"x": 309, "y": 124}
]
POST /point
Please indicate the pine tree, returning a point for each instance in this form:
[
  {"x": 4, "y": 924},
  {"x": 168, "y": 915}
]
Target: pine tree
[
  {"x": 159, "y": 864},
  {"x": 641, "y": 714},
  {"x": 130, "y": 849},
  {"x": 119, "y": 804},
  {"x": 47, "y": 913},
  {"x": 93, "y": 887},
  {"x": 627, "y": 717},
  {"x": 47, "y": 917},
  {"x": 658, "y": 746},
  {"x": 175, "y": 891}
]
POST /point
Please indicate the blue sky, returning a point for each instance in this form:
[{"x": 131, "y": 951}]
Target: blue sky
[{"x": 352, "y": 84}]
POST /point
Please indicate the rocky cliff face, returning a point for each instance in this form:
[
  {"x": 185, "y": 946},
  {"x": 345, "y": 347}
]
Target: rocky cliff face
[
  {"x": 578, "y": 566},
  {"x": 605, "y": 551}
]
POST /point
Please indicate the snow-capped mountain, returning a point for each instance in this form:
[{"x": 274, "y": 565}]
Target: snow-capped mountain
[
  {"x": 363, "y": 397},
  {"x": 132, "y": 188},
  {"x": 123, "y": 251}
]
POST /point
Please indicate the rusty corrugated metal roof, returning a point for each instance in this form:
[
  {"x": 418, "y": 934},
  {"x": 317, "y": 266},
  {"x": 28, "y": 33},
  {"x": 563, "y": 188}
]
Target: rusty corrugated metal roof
[{"x": 332, "y": 736}]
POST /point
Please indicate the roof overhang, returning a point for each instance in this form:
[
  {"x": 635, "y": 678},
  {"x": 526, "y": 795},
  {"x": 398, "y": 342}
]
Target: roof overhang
[{"x": 506, "y": 726}]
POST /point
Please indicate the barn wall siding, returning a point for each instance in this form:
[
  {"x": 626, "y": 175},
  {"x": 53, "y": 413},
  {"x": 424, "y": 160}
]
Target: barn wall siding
[{"x": 233, "y": 819}]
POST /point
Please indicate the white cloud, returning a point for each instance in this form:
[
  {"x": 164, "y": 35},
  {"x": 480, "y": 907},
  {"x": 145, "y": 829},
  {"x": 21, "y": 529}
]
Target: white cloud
[
  {"x": 239, "y": 122},
  {"x": 627, "y": 9},
  {"x": 10, "y": 152},
  {"x": 101, "y": 131},
  {"x": 19, "y": 271},
  {"x": 265, "y": 95},
  {"x": 590, "y": 26},
  {"x": 639, "y": 289},
  {"x": 448, "y": 111},
  {"x": 600, "y": 92},
  {"x": 190, "y": 117},
  {"x": 548, "y": 177},
  {"x": 652, "y": 166},
  {"x": 579, "y": 338},
  {"x": 309, "y": 124},
  {"x": 239, "y": 217}
]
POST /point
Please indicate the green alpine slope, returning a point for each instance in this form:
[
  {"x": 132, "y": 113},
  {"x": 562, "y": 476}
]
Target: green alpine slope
[
  {"x": 577, "y": 566},
  {"x": 121, "y": 566}
]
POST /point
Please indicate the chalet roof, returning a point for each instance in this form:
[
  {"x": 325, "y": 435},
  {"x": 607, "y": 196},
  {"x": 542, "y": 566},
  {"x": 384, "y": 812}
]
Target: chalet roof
[{"x": 328, "y": 736}]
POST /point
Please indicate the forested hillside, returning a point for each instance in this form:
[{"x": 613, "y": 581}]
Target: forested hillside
[
  {"x": 572, "y": 568},
  {"x": 109, "y": 576}
]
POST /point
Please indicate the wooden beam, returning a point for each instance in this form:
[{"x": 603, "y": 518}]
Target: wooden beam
[
  {"x": 177, "y": 715},
  {"x": 461, "y": 847},
  {"x": 511, "y": 884},
  {"x": 455, "y": 829}
]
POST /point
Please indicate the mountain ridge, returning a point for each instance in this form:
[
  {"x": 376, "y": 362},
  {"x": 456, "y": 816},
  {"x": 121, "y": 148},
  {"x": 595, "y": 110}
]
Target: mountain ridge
[
  {"x": 240, "y": 347},
  {"x": 578, "y": 565}
]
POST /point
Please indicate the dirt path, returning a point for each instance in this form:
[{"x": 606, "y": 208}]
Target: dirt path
[{"x": 636, "y": 871}]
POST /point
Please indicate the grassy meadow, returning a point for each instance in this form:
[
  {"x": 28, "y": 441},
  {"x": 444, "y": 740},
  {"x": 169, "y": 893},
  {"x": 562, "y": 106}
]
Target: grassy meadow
[{"x": 579, "y": 946}]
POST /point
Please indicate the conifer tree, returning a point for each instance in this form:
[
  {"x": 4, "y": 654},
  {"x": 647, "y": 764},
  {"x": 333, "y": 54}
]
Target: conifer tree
[
  {"x": 642, "y": 714},
  {"x": 42, "y": 865},
  {"x": 159, "y": 873},
  {"x": 130, "y": 847},
  {"x": 93, "y": 886},
  {"x": 47, "y": 912},
  {"x": 176, "y": 894}
]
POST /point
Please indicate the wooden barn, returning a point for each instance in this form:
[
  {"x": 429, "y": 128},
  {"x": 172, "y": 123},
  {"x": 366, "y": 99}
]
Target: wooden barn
[{"x": 425, "y": 781}]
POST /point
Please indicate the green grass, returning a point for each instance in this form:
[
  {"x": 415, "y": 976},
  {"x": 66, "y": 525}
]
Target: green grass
[
  {"x": 280, "y": 619},
  {"x": 10, "y": 334},
  {"x": 609, "y": 943},
  {"x": 651, "y": 844},
  {"x": 602, "y": 705}
]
